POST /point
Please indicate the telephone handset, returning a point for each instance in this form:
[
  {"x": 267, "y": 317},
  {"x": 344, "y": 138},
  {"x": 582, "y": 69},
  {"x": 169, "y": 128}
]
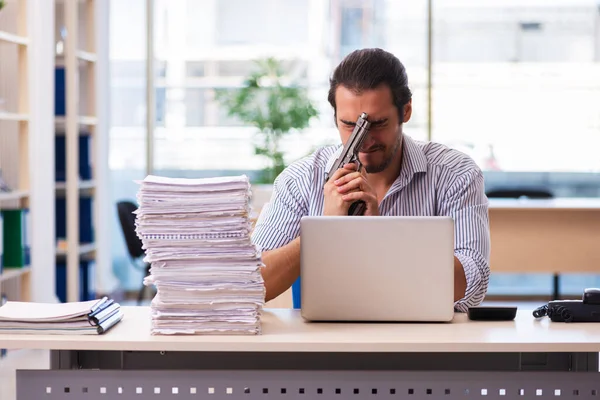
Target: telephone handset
[{"x": 585, "y": 310}]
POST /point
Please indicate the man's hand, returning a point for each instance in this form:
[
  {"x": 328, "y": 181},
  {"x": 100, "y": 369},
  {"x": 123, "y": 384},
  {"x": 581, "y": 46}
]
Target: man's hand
[
  {"x": 352, "y": 186},
  {"x": 333, "y": 203}
]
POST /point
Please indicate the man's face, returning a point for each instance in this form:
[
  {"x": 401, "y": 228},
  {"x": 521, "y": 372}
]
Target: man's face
[{"x": 384, "y": 137}]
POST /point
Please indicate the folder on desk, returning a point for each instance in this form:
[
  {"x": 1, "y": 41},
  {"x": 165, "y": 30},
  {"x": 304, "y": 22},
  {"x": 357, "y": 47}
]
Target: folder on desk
[{"x": 86, "y": 317}]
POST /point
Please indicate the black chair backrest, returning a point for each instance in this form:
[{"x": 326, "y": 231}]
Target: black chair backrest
[
  {"x": 125, "y": 210},
  {"x": 517, "y": 193}
]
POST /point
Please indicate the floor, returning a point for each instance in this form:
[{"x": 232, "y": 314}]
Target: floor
[
  {"x": 19, "y": 359},
  {"x": 39, "y": 359}
]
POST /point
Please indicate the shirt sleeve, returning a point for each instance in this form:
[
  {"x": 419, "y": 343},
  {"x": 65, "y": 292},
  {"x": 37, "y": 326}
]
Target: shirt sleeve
[
  {"x": 465, "y": 201},
  {"x": 279, "y": 220}
]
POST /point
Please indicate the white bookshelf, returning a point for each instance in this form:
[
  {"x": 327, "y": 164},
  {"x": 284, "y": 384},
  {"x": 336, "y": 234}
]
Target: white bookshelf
[
  {"x": 85, "y": 61},
  {"x": 6, "y": 116},
  {"x": 14, "y": 130},
  {"x": 25, "y": 135},
  {"x": 17, "y": 195},
  {"x": 83, "y": 185},
  {"x": 84, "y": 249},
  {"x": 82, "y": 121},
  {"x": 12, "y": 38}
]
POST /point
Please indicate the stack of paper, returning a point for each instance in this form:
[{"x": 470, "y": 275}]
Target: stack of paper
[
  {"x": 196, "y": 235},
  {"x": 86, "y": 317}
]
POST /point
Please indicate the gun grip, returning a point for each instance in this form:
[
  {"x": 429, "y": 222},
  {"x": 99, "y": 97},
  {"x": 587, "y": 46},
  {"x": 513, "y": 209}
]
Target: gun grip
[{"x": 357, "y": 208}]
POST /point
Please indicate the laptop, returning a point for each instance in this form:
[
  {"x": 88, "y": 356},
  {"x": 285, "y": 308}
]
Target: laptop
[{"x": 384, "y": 268}]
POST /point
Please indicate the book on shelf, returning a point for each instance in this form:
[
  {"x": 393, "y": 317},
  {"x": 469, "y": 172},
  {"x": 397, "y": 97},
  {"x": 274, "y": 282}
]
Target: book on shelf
[
  {"x": 85, "y": 157},
  {"x": 16, "y": 237},
  {"x": 86, "y": 280},
  {"x": 84, "y": 317},
  {"x": 3, "y": 300},
  {"x": 86, "y": 219},
  {"x": 1, "y": 243}
]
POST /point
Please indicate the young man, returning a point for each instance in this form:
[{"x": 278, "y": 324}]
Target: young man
[{"x": 400, "y": 176}]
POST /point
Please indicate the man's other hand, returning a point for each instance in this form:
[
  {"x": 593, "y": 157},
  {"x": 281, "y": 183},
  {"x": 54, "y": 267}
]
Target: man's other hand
[{"x": 353, "y": 187}]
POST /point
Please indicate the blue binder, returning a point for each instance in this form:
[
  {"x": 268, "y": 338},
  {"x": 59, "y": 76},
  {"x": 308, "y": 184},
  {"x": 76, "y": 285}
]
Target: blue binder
[
  {"x": 60, "y": 157},
  {"x": 60, "y": 104},
  {"x": 86, "y": 273},
  {"x": 86, "y": 227}
]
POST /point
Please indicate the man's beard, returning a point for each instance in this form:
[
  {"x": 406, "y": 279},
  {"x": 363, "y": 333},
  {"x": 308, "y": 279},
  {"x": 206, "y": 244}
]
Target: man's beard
[{"x": 374, "y": 169}]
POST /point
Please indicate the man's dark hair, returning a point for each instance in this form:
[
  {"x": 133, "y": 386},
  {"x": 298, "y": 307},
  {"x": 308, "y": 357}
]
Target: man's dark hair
[{"x": 367, "y": 69}]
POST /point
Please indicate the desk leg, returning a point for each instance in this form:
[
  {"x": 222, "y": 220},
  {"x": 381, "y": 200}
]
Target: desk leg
[
  {"x": 141, "y": 360},
  {"x": 585, "y": 362},
  {"x": 63, "y": 359},
  {"x": 89, "y": 359}
]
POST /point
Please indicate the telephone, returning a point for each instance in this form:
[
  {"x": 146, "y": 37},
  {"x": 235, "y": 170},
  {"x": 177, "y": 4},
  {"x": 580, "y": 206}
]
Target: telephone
[{"x": 585, "y": 310}]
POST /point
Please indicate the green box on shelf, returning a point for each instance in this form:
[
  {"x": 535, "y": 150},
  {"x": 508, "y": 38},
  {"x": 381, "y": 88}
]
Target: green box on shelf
[
  {"x": 16, "y": 238},
  {"x": 1, "y": 242}
]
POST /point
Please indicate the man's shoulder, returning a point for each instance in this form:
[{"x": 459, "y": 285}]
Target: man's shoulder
[
  {"x": 444, "y": 157},
  {"x": 310, "y": 164}
]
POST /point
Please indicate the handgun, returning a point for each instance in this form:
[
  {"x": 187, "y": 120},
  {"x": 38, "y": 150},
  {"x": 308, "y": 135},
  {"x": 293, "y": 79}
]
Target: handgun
[{"x": 350, "y": 155}]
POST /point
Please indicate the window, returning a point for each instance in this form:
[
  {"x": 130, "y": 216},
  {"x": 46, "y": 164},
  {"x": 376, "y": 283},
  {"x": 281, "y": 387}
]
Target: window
[
  {"x": 516, "y": 85},
  {"x": 194, "y": 106},
  {"x": 262, "y": 22},
  {"x": 194, "y": 69}
]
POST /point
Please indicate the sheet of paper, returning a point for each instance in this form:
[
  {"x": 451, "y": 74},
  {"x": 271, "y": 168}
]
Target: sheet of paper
[{"x": 196, "y": 235}]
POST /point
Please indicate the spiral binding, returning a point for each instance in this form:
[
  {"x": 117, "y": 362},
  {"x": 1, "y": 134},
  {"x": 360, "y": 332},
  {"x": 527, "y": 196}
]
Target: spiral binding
[{"x": 193, "y": 236}]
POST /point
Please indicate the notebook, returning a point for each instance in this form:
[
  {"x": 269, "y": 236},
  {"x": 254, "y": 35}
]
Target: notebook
[{"x": 86, "y": 317}]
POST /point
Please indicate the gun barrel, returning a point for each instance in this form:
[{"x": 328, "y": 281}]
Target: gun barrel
[{"x": 361, "y": 130}]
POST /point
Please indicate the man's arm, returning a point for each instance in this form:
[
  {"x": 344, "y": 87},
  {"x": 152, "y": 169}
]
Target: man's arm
[
  {"x": 466, "y": 203},
  {"x": 460, "y": 280},
  {"x": 277, "y": 232},
  {"x": 282, "y": 268}
]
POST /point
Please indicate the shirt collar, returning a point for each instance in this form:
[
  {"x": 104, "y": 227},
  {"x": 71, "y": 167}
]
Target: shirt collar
[{"x": 413, "y": 158}]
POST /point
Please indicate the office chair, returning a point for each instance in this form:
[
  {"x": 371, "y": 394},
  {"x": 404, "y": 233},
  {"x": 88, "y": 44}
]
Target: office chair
[
  {"x": 516, "y": 193},
  {"x": 125, "y": 211}
]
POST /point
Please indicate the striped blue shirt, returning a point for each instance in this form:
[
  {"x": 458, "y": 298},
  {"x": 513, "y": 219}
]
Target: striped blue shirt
[{"x": 433, "y": 180}]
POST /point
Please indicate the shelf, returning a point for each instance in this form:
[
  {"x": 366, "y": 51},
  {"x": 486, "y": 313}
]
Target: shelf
[
  {"x": 82, "y": 120},
  {"x": 84, "y": 249},
  {"x": 87, "y": 248},
  {"x": 11, "y": 273},
  {"x": 14, "y": 195},
  {"x": 88, "y": 120},
  {"x": 12, "y": 38},
  {"x": 6, "y": 116},
  {"x": 82, "y": 185},
  {"x": 87, "y": 56},
  {"x": 84, "y": 58}
]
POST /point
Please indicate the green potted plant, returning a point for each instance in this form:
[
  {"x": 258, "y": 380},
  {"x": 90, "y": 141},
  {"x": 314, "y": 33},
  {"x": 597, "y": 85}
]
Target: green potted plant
[
  {"x": 273, "y": 106},
  {"x": 1, "y": 4}
]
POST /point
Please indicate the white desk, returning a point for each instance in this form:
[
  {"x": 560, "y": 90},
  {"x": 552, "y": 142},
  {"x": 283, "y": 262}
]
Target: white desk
[
  {"x": 551, "y": 236},
  {"x": 294, "y": 356},
  {"x": 285, "y": 331}
]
